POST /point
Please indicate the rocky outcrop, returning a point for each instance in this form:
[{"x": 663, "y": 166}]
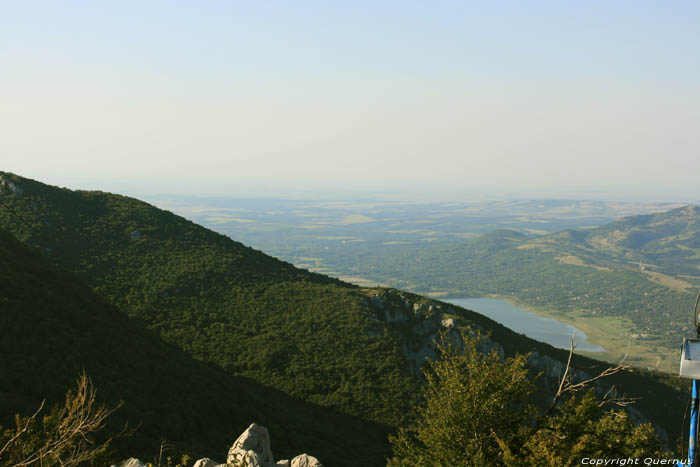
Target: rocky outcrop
[
  {"x": 549, "y": 367},
  {"x": 131, "y": 462},
  {"x": 251, "y": 449},
  {"x": 9, "y": 187},
  {"x": 423, "y": 322},
  {"x": 305, "y": 460},
  {"x": 206, "y": 462}
]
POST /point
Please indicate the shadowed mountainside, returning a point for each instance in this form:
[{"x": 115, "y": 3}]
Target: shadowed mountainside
[{"x": 53, "y": 327}]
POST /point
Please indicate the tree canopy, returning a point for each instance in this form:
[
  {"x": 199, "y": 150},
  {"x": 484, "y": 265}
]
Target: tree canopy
[{"x": 478, "y": 411}]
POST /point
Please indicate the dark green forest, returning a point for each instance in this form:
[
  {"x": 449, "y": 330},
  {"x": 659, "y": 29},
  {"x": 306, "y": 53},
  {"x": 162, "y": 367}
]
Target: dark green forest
[{"x": 54, "y": 327}]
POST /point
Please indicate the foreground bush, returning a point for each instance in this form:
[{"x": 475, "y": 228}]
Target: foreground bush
[
  {"x": 67, "y": 435},
  {"x": 478, "y": 411}
]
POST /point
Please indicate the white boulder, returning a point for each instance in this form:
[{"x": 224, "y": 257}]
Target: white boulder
[
  {"x": 252, "y": 448},
  {"x": 206, "y": 462},
  {"x": 305, "y": 460},
  {"x": 132, "y": 462}
]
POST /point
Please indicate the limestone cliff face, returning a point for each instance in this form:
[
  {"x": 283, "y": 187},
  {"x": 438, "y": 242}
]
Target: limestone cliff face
[
  {"x": 6, "y": 186},
  {"x": 251, "y": 449},
  {"x": 422, "y": 321}
]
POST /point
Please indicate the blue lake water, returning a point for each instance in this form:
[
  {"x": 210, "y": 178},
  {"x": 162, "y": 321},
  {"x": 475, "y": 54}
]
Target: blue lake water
[{"x": 543, "y": 329}]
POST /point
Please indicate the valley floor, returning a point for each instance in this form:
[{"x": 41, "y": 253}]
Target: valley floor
[{"x": 616, "y": 335}]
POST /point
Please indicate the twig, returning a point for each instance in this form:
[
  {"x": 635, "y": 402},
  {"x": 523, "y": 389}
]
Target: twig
[
  {"x": 23, "y": 430},
  {"x": 566, "y": 386}
]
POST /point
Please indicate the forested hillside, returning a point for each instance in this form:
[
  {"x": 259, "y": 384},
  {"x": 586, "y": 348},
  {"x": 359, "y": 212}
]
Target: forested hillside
[
  {"x": 52, "y": 327},
  {"x": 219, "y": 300},
  {"x": 296, "y": 336}
]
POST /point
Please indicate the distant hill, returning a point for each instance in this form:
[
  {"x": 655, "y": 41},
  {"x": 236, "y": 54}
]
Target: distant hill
[
  {"x": 667, "y": 242},
  {"x": 310, "y": 231},
  {"x": 312, "y": 340}
]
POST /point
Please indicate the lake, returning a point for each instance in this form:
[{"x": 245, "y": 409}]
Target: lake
[{"x": 537, "y": 327}]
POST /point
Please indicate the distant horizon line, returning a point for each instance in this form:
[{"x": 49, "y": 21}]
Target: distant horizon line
[{"x": 140, "y": 186}]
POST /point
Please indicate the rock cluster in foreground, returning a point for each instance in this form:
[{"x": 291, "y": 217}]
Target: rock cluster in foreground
[{"x": 251, "y": 449}]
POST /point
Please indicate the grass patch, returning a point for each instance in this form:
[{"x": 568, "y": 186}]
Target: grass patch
[{"x": 617, "y": 335}]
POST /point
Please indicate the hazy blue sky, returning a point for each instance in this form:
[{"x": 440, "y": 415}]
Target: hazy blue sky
[{"x": 235, "y": 97}]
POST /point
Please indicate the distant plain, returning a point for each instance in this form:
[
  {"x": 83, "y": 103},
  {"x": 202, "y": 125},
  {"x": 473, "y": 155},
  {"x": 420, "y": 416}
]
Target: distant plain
[{"x": 428, "y": 248}]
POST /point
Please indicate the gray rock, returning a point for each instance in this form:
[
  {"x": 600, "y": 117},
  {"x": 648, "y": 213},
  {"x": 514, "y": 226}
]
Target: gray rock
[
  {"x": 252, "y": 448},
  {"x": 132, "y": 462},
  {"x": 6, "y": 185},
  {"x": 553, "y": 369},
  {"x": 206, "y": 462},
  {"x": 418, "y": 308},
  {"x": 305, "y": 460}
]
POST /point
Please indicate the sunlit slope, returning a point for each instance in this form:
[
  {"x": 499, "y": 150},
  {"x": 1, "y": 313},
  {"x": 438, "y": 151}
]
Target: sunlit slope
[
  {"x": 667, "y": 242},
  {"x": 638, "y": 275},
  {"x": 52, "y": 327}
]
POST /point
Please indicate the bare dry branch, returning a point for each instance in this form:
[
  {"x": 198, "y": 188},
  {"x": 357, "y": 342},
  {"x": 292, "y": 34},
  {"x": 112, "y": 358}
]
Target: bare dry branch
[
  {"x": 566, "y": 385},
  {"x": 164, "y": 446},
  {"x": 70, "y": 443},
  {"x": 22, "y": 430},
  {"x": 609, "y": 398}
]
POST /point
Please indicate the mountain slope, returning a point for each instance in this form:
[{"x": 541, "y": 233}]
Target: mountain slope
[
  {"x": 52, "y": 326},
  {"x": 349, "y": 349},
  {"x": 220, "y": 301}
]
